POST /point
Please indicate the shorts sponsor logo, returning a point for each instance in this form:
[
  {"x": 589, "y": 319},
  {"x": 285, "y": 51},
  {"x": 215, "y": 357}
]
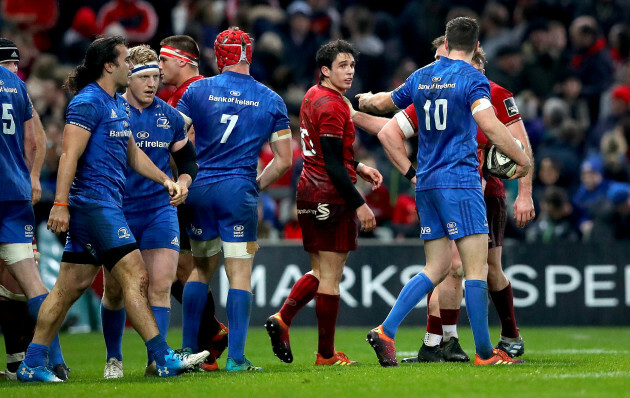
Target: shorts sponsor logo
[
  {"x": 175, "y": 241},
  {"x": 90, "y": 249},
  {"x": 235, "y": 93},
  {"x": 323, "y": 211},
  {"x": 163, "y": 123},
  {"x": 452, "y": 228},
  {"x": 239, "y": 231},
  {"x": 143, "y": 135},
  {"x": 425, "y": 230},
  {"x": 28, "y": 231},
  {"x": 196, "y": 231},
  {"x": 123, "y": 233},
  {"x": 510, "y": 107}
]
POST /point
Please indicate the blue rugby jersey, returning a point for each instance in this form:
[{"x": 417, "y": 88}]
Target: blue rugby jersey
[
  {"x": 154, "y": 129},
  {"x": 233, "y": 116},
  {"x": 443, "y": 93},
  {"x": 101, "y": 168},
  {"x": 16, "y": 109}
]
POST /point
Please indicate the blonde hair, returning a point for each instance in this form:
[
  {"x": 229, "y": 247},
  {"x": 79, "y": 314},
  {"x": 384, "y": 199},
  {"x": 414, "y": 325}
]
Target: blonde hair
[
  {"x": 479, "y": 58},
  {"x": 142, "y": 54}
]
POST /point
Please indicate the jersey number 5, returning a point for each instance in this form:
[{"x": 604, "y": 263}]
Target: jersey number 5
[
  {"x": 441, "y": 107},
  {"x": 232, "y": 119},
  {"x": 8, "y": 124}
]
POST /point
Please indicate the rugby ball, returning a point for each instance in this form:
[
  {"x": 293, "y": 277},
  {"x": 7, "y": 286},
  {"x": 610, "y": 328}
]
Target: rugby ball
[{"x": 500, "y": 165}]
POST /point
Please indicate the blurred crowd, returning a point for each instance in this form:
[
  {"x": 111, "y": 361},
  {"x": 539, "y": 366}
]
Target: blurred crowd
[{"x": 567, "y": 62}]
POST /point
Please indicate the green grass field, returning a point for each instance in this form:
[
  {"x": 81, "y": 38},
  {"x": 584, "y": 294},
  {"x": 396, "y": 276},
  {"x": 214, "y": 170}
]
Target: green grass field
[{"x": 561, "y": 362}]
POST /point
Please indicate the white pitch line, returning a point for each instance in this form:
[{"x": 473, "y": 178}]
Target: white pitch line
[
  {"x": 587, "y": 351},
  {"x": 598, "y": 375}
]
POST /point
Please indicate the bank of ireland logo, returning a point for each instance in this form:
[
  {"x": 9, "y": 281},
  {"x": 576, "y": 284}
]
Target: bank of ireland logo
[
  {"x": 143, "y": 135},
  {"x": 123, "y": 233},
  {"x": 28, "y": 231},
  {"x": 452, "y": 228},
  {"x": 235, "y": 93},
  {"x": 322, "y": 211},
  {"x": 239, "y": 231}
]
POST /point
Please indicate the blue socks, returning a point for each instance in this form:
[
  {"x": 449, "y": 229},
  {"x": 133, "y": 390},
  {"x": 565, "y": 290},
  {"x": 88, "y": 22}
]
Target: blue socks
[
  {"x": 410, "y": 295},
  {"x": 158, "y": 349},
  {"x": 239, "y": 308},
  {"x": 476, "y": 292},
  {"x": 162, "y": 318},
  {"x": 113, "y": 328},
  {"x": 193, "y": 302},
  {"x": 55, "y": 356},
  {"x": 36, "y": 355}
]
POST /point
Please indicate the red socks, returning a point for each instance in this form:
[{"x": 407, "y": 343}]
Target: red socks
[
  {"x": 326, "y": 310},
  {"x": 504, "y": 303},
  {"x": 302, "y": 292},
  {"x": 449, "y": 317}
]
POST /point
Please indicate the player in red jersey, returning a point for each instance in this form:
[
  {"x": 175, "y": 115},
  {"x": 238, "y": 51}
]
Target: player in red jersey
[
  {"x": 442, "y": 318},
  {"x": 329, "y": 205},
  {"x": 179, "y": 66}
]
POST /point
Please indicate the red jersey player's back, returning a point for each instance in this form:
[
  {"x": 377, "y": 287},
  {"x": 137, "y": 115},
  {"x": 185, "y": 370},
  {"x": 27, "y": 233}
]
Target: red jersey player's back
[{"x": 323, "y": 114}]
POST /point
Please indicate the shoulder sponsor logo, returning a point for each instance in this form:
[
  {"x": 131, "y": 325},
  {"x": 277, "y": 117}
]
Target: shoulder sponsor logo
[
  {"x": 239, "y": 231},
  {"x": 235, "y": 93},
  {"x": 163, "y": 123},
  {"x": 113, "y": 115},
  {"x": 425, "y": 230},
  {"x": 143, "y": 135},
  {"x": 175, "y": 241},
  {"x": 510, "y": 106},
  {"x": 436, "y": 79},
  {"x": 123, "y": 233},
  {"x": 399, "y": 87},
  {"x": 322, "y": 211}
]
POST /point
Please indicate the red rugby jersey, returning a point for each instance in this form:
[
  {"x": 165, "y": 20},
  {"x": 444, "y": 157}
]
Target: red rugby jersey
[
  {"x": 323, "y": 113},
  {"x": 179, "y": 92}
]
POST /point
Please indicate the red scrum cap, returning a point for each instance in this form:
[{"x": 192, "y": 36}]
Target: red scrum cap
[{"x": 231, "y": 47}]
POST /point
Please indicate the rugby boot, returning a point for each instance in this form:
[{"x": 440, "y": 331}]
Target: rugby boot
[
  {"x": 514, "y": 348},
  {"x": 177, "y": 362},
  {"x": 338, "y": 358},
  {"x": 383, "y": 346},
  {"x": 40, "y": 373},
  {"x": 245, "y": 366},
  {"x": 279, "y": 334},
  {"x": 113, "y": 369},
  {"x": 498, "y": 357},
  {"x": 452, "y": 351}
]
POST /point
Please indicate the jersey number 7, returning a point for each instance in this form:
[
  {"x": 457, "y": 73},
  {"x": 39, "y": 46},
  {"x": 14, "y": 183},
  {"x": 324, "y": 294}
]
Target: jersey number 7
[{"x": 232, "y": 119}]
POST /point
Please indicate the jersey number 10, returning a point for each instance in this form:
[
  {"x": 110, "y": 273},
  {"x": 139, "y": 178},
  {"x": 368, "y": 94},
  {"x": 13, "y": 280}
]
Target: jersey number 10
[{"x": 441, "y": 107}]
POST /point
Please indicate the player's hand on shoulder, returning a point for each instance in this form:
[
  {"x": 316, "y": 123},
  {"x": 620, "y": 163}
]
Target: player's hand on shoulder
[
  {"x": 366, "y": 217},
  {"x": 59, "y": 219},
  {"x": 370, "y": 175},
  {"x": 36, "y": 190}
]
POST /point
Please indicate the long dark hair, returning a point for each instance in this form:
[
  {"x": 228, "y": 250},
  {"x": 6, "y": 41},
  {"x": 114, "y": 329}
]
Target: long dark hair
[{"x": 100, "y": 52}]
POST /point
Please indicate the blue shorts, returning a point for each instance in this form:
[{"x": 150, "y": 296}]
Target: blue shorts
[
  {"x": 155, "y": 229},
  {"x": 17, "y": 222},
  {"x": 226, "y": 209},
  {"x": 451, "y": 212},
  {"x": 97, "y": 234}
]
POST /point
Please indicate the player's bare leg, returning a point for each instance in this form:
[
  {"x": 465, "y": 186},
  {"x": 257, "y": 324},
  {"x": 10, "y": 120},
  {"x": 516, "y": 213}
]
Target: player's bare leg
[
  {"x": 328, "y": 268},
  {"x": 502, "y": 296},
  {"x": 27, "y": 275}
]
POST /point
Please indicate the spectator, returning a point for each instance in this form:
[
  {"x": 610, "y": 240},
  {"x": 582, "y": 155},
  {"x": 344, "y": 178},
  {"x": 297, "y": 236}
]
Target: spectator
[
  {"x": 591, "y": 61},
  {"x": 619, "y": 108},
  {"x": 507, "y": 70},
  {"x": 137, "y": 17},
  {"x": 554, "y": 222},
  {"x": 79, "y": 36},
  {"x": 591, "y": 193},
  {"x": 300, "y": 44}
]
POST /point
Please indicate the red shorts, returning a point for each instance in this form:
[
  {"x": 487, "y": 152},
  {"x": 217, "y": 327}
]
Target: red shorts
[
  {"x": 328, "y": 226},
  {"x": 496, "y": 209}
]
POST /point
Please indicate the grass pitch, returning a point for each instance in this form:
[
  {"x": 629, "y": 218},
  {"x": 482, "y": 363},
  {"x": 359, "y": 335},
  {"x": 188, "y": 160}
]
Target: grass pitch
[{"x": 561, "y": 362}]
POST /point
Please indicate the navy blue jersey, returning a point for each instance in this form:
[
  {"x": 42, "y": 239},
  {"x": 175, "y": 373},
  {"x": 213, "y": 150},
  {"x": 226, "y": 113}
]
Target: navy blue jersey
[
  {"x": 443, "y": 93},
  {"x": 233, "y": 115},
  {"x": 154, "y": 129},
  {"x": 101, "y": 168},
  {"x": 16, "y": 109}
]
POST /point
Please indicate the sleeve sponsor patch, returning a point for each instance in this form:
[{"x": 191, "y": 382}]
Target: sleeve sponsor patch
[
  {"x": 510, "y": 107},
  {"x": 399, "y": 87}
]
